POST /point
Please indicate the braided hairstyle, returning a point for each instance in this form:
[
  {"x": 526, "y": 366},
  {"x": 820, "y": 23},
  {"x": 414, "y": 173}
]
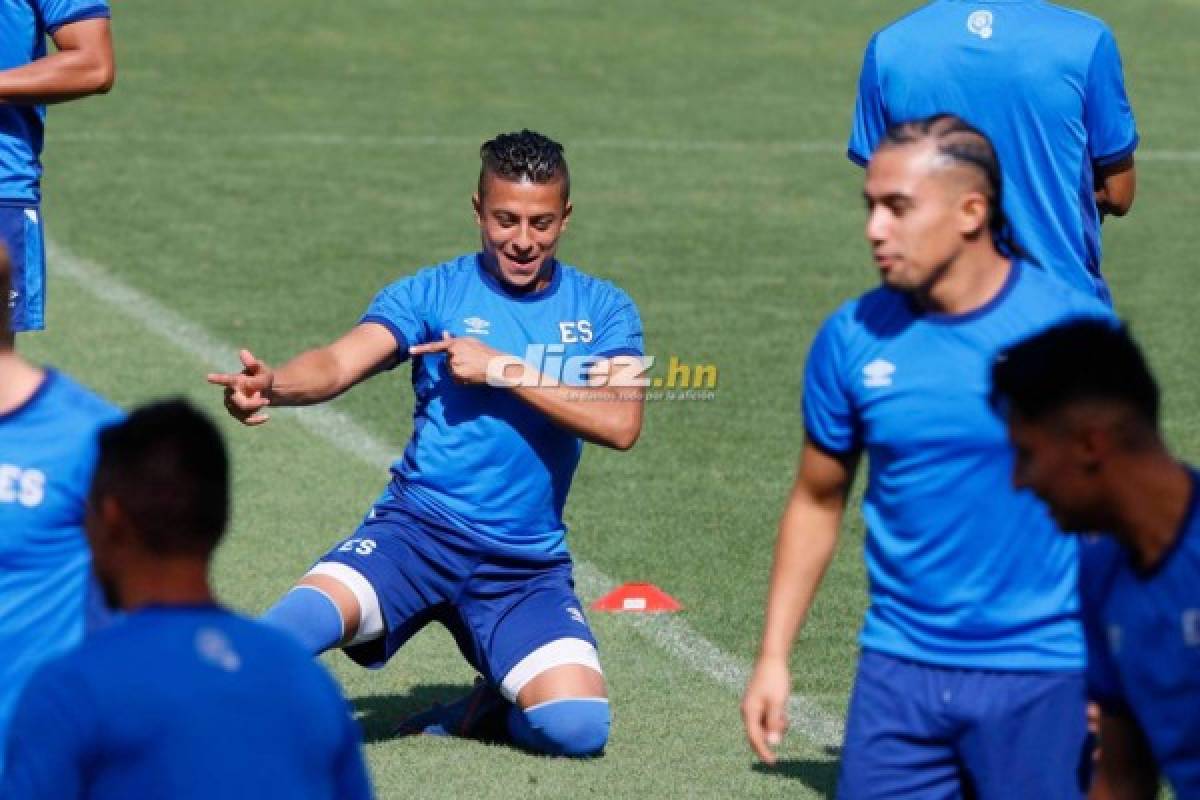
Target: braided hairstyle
[
  {"x": 524, "y": 156},
  {"x": 964, "y": 144}
]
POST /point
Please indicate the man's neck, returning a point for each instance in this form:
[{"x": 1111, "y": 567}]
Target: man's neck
[
  {"x": 1152, "y": 497},
  {"x": 165, "y": 582},
  {"x": 968, "y": 283},
  {"x": 18, "y": 380}
]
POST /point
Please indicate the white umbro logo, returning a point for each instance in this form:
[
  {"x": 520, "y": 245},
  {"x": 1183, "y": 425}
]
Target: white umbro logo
[
  {"x": 980, "y": 24},
  {"x": 477, "y": 325},
  {"x": 576, "y": 614},
  {"x": 878, "y": 374}
]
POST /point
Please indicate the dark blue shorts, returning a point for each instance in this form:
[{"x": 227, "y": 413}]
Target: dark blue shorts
[
  {"x": 936, "y": 733},
  {"x": 21, "y": 235},
  {"x": 499, "y": 608}
]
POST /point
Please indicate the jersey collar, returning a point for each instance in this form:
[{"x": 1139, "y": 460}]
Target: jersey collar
[{"x": 494, "y": 283}]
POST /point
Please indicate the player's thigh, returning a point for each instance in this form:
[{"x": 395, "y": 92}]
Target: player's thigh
[
  {"x": 389, "y": 579},
  {"x": 21, "y": 236},
  {"x": 1030, "y": 737},
  {"x": 534, "y": 640},
  {"x": 897, "y": 745}
]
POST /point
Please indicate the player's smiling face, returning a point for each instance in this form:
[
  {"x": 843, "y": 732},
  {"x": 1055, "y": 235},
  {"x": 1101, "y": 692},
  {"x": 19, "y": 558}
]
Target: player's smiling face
[
  {"x": 521, "y": 223},
  {"x": 918, "y": 215}
]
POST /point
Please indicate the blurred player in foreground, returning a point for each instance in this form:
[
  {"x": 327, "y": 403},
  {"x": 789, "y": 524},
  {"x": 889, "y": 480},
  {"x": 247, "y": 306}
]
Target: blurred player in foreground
[
  {"x": 469, "y": 532},
  {"x": 1082, "y": 409},
  {"x": 48, "y": 426},
  {"x": 29, "y": 79},
  {"x": 1046, "y": 85},
  {"x": 970, "y": 681},
  {"x": 180, "y": 698}
]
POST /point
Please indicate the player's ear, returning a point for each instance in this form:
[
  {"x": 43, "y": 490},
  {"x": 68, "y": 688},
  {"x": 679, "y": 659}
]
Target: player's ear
[
  {"x": 567, "y": 209},
  {"x": 477, "y": 204},
  {"x": 974, "y": 210}
]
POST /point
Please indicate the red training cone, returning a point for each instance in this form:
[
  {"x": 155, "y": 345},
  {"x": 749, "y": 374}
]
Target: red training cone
[{"x": 644, "y": 597}]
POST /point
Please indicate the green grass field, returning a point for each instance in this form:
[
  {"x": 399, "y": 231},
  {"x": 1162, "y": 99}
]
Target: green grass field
[{"x": 263, "y": 168}]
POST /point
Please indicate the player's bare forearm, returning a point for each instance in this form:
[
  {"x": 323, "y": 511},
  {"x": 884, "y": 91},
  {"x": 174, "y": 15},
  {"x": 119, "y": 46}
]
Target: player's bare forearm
[
  {"x": 82, "y": 66},
  {"x": 608, "y": 416},
  {"x": 807, "y": 538},
  {"x": 310, "y": 378}
]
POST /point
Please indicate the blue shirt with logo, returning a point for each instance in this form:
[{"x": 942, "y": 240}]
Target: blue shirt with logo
[
  {"x": 24, "y": 26},
  {"x": 963, "y": 570},
  {"x": 185, "y": 703},
  {"x": 1043, "y": 82},
  {"x": 480, "y": 460},
  {"x": 47, "y": 455},
  {"x": 1143, "y": 635}
]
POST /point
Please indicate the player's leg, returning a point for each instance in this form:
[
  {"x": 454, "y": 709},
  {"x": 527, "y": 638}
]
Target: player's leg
[
  {"x": 21, "y": 235},
  {"x": 898, "y": 743},
  {"x": 543, "y": 656},
  {"x": 1028, "y": 736},
  {"x": 371, "y": 592}
]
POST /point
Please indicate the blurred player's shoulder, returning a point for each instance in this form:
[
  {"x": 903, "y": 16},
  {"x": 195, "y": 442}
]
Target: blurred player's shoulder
[
  {"x": 1055, "y": 293},
  {"x": 69, "y": 404}
]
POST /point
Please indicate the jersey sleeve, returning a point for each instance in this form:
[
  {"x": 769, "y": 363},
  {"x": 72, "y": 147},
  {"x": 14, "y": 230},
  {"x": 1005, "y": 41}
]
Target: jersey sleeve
[
  {"x": 1111, "y": 130},
  {"x": 870, "y": 117},
  {"x": 49, "y": 740},
  {"x": 402, "y": 308},
  {"x": 619, "y": 330},
  {"x": 57, "y": 13},
  {"x": 830, "y": 419}
]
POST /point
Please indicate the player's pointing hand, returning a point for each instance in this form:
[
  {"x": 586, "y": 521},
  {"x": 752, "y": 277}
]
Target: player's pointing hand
[
  {"x": 467, "y": 358},
  {"x": 247, "y": 393}
]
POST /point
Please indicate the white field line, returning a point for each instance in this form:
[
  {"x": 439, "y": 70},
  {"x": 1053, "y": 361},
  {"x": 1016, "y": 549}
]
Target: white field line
[
  {"x": 400, "y": 141},
  {"x": 334, "y": 427}
]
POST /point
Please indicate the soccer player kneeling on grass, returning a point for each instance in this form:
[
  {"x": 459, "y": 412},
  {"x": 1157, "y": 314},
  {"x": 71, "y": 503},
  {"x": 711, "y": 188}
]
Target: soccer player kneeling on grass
[
  {"x": 1082, "y": 411},
  {"x": 469, "y": 531},
  {"x": 180, "y": 698},
  {"x": 970, "y": 681}
]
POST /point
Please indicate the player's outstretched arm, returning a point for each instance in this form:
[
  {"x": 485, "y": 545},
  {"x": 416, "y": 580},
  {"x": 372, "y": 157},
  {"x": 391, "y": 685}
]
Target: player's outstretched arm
[
  {"x": 1125, "y": 770},
  {"x": 311, "y": 377},
  {"x": 807, "y": 536},
  {"x": 82, "y": 65},
  {"x": 610, "y": 415}
]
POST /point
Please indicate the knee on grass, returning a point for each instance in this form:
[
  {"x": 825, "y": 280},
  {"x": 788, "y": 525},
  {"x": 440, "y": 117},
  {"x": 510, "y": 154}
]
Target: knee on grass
[{"x": 573, "y": 727}]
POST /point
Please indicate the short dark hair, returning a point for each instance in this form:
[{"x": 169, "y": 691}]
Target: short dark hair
[
  {"x": 167, "y": 468},
  {"x": 1075, "y": 362},
  {"x": 524, "y": 156},
  {"x": 970, "y": 147}
]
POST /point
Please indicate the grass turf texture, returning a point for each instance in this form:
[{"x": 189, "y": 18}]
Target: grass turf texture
[{"x": 262, "y": 169}]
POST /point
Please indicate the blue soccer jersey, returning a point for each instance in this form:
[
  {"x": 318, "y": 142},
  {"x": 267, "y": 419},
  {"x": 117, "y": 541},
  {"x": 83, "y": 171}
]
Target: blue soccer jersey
[
  {"x": 47, "y": 454},
  {"x": 963, "y": 570},
  {"x": 24, "y": 26},
  {"x": 480, "y": 460},
  {"x": 184, "y": 702},
  {"x": 1143, "y": 636},
  {"x": 1043, "y": 82}
]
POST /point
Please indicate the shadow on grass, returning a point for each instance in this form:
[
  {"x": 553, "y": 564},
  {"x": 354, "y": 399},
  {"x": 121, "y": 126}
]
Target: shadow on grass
[
  {"x": 820, "y": 776},
  {"x": 378, "y": 714}
]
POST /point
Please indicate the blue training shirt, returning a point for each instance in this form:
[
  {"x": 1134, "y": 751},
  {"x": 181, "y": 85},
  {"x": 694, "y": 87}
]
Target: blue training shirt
[
  {"x": 1043, "y": 82},
  {"x": 1143, "y": 635},
  {"x": 24, "y": 26},
  {"x": 185, "y": 703},
  {"x": 480, "y": 460},
  {"x": 47, "y": 455},
  {"x": 963, "y": 570}
]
